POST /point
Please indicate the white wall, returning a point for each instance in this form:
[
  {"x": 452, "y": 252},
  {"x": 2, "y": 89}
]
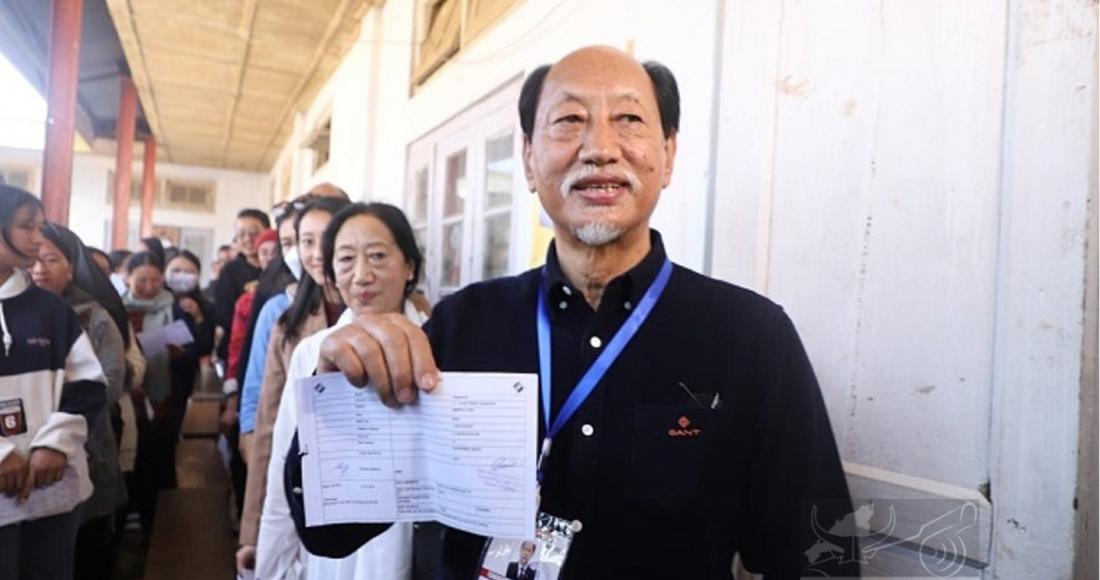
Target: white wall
[
  {"x": 89, "y": 211},
  {"x": 236, "y": 190},
  {"x": 910, "y": 180}
]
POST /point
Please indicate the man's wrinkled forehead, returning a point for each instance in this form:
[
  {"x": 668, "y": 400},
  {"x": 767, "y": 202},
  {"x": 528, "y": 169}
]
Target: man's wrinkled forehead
[{"x": 597, "y": 72}]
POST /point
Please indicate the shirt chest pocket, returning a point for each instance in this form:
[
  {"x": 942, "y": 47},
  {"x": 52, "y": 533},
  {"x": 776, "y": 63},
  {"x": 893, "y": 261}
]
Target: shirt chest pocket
[{"x": 672, "y": 449}]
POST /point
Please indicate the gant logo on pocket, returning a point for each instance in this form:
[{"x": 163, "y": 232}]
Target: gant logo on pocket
[
  {"x": 684, "y": 429},
  {"x": 41, "y": 341}
]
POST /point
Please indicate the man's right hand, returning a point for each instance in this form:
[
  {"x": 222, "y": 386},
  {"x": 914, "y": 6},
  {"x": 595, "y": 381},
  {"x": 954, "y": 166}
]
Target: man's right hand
[
  {"x": 246, "y": 559},
  {"x": 387, "y": 350},
  {"x": 13, "y": 472}
]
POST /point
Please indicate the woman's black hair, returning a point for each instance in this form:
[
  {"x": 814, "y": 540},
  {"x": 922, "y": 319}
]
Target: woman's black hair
[
  {"x": 144, "y": 259},
  {"x": 87, "y": 276},
  {"x": 118, "y": 258},
  {"x": 186, "y": 255},
  {"x": 11, "y": 199},
  {"x": 196, "y": 292},
  {"x": 310, "y": 294},
  {"x": 394, "y": 219},
  {"x": 287, "y": 212},
  {"x": 93, "y": 252},
  {"x": 155, "y": 246}
]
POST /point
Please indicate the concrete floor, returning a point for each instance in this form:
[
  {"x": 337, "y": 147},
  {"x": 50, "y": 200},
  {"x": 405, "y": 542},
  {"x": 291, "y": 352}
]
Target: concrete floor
[{"x": 192, "y": 535}]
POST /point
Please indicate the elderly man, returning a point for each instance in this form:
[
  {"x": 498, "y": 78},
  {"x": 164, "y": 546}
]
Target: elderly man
[{"x": 700, "y": 430}]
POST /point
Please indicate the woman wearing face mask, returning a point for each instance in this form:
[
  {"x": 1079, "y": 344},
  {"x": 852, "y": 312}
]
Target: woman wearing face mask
[
  {"x": 63, "y": 268},
  {"x": 169, "y": 375},
  {"x": 51, "y": 388},
  {"x": 182, "y": 279},
  {"x": 316, "y": 306},
  {"x": 371, "y": 256}
]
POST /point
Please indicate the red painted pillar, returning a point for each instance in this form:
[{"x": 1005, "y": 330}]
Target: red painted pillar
[
  {"x": 148, "y": 186},
  {"x": 124, "y": 166},
  {"x": 64, "y": 57}
]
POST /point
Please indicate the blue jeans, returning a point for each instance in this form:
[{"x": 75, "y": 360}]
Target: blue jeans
[{"x": 40, "y": 549}]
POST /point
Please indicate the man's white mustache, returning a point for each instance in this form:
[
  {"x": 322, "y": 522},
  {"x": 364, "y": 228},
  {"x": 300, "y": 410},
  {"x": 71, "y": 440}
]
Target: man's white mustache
[{"x": 590, "y": 171}]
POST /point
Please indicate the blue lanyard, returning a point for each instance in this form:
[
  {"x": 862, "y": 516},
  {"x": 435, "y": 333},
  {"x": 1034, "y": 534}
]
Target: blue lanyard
[{"x": 599, "y": 368}]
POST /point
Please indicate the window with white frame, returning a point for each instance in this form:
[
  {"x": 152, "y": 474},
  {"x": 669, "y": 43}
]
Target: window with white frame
[
  {"x": 464, "y": 191},
  {"x": 197, "y": 195},
  {"x": 188, "y": 194}
]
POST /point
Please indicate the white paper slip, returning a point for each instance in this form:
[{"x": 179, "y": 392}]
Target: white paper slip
[
  {"x": 463, "y": 455},
  {"x": 155, "y": 341},
  {"x": 59, "y": 498}
]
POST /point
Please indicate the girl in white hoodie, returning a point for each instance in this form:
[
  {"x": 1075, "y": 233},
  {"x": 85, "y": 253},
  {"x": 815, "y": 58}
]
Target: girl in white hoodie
[{"x": 51, "y": 387}]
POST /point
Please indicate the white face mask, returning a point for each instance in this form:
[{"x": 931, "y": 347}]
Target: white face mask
[
  {"x": 293, "y": 262},
  {"x": 182, "y": 282}
]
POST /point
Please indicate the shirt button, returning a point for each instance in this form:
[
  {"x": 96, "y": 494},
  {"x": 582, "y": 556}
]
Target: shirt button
[
  {"x": 595, "y": 342},
  {"x": 627, "y": 305},
  {"x": 563, "y": 304},
  {"x": 587, "y": 430},
  {"x": 568, "y": 291}
]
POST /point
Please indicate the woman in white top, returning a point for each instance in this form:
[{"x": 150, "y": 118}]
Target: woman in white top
[{"x": 372, "y": 257}]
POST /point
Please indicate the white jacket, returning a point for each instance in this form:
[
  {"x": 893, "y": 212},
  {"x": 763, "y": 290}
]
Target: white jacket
[
  {"x": 50, "y": 380},
  {"x": 279, "y": 553}
]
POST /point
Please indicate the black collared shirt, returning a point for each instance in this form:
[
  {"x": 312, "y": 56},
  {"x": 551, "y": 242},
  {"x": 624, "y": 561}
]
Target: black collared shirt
[
  {"x": 708, "y": 436},
  {"x": 227, "y": 288}
]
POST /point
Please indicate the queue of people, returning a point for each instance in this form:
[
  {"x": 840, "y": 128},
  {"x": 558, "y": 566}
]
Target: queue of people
[
  {"x": 90, "y": 418},
  {"x": 332, "y": 287}
]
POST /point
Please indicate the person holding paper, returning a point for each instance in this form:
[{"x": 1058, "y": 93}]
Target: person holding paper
[
  {"x": 682, "y": 422},
  {"x": 371, "y": 256},
  {"x": 169, "y": 374},
  {"x": 181, "y": 277},
  {"x": 64, "y": 267},
  {"x": 51, "y": 388}
]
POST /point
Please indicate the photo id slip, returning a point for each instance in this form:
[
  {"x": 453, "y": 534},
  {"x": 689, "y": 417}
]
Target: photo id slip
[
  {"x": 540, "y": 558},
  {"x": 463, "y": 455}
]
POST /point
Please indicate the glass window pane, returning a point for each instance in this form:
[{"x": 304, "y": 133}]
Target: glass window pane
[
  {"x": 452, "y": 255},
  {"x": 454, "y": 192},
  {"x": 420, "y": 197},
  {"x": 498, "y": 171},
  {"x": 497, "y": 230}
]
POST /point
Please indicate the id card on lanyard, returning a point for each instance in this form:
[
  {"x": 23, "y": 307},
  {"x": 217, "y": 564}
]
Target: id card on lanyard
[{"x": 543, "y": 556}]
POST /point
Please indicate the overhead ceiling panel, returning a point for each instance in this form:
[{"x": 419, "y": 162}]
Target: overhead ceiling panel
[{"x": 220, "y": 80}]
